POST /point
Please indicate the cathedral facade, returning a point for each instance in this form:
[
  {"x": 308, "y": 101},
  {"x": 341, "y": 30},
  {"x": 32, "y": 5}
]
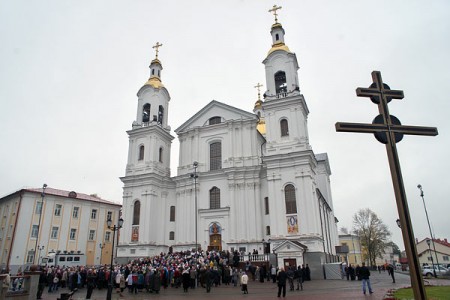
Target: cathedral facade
[{"x": 245, "y": 180}]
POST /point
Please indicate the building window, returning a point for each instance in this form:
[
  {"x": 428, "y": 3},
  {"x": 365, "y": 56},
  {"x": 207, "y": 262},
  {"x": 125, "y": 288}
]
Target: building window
[
  {"x": 109, "y": 215},
  {"x": 54, "y": 234},
  {"x": 172, "y": 214},
  {"x": 215, "y": 156},
  {"x": 267, "y": 230},
  {"x": 172, "y": 235},
  {"x": 214, "y": 198},
  {"x": 445, "y": 257},
  {"x": 93, "y": 214},
  {"x": 146, "y": 113},
  {"x": 289, "y": 198},
  {"x": 160, "y": 114},
  {"x": 107, "y": 236},
  {"x": 91, "y": 235},
  {"x": 266, "y": 205},
  {"x": 160, "y": 155},
  {"x": 34, "y": 231},
  {"x": 2, "y": 231},
  {"x": 73, "y": 233},
  {"x": 277, "y": 37},
  {"x": 30, "y": 257},
  {"x": 429, "y": 258},
  {"x": 284, "y": 127},
  {"x": 280, "y": 82},
  {"x": 10, "y": 230},
  {"x": 75, "y": 212},
  {"x": 38, "y": 209},
  {"x": 58, "y": 210},
  {"x": 141, "y": 152},
  {"x": 136, "y": 213},
  {"x": 215, "y": 120}
]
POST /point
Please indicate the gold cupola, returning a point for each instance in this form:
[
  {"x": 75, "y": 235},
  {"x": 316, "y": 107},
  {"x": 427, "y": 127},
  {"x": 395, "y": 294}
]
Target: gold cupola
[
  {"x": 277, "y": 33},
  {"x": 155, "y": 70},
  {"x": 261, "y": 127}
]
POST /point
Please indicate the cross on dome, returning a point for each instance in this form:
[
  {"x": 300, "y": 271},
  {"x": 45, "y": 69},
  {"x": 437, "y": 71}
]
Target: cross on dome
[
  {"x": 258, "y": 86},
  {"x": 156, "y": 47},
  {"x": 274, "y": 10}
]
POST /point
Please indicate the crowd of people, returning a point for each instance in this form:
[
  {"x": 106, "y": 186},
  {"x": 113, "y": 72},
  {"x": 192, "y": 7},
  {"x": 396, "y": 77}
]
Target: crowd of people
[{"x": 187, "y": 269}]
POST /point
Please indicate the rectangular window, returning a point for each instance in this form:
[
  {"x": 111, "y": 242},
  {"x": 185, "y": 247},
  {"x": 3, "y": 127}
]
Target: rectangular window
[
  {"x": 76, "y": 258},
  {"x": 91, "y": 235},
  {"x": 445, "y": 257},
  {"x": 75, "y": 212},
  {"x": 10, "y": 230},
  {"x": 30, "y": 257},
  {"x": 172, "y": 235},
  {"x": 62, "y": 258},
  {"x": 35, "y": 231},
  {"x": 429, "y": 258},
  {"x": 266, "y": 205},
  {"x": 94, "y": 214},
  {"x": 54, "y": 234},
  {"x": 107, "y": 236},
  {"x": 109, "y": 215},
  {"x": 58, "y": 210},
  {"x": 267, "y": 230},
  {"x": 172, "y": 214},
  {"x": 38, "y": 209},
  {"x": 215, "y": 156},
  {"x": 73, "y": 234}
]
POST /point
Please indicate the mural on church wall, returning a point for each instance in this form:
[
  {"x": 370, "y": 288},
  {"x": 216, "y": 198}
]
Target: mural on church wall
[
  {"x": 215, "y": 229},
  {"x": 292, "y": 224},
  {"x": 135, "y": 234}
]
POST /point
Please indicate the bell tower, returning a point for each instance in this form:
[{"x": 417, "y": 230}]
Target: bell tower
[
  {"x": 284, "y": 107},
  {"x": 149, "y": 138}
]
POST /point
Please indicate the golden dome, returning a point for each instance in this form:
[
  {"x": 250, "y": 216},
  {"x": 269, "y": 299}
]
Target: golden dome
[
  {"x": 279, "y": 46},
  {"x": 155, "y": 82},
  {"x": 258, "y": 104},
  {"x": 155, "y": 61},
  {"x": 261, "y": 127},
  {"x": 276, "y": 25}
]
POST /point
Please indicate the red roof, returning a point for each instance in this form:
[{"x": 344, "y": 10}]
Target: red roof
[{"x": 70, "y": 194}]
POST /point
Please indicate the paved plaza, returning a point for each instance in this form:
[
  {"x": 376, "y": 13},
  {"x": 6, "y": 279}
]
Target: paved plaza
[{"x": 315, "y": 289}]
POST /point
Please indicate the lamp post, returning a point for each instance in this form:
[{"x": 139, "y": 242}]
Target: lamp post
[
  {"x": 101, "y": 250},
  {"x": 113, "y": 228},
  {"x": 431, "y": 254},
  {"x": 195, "y": 176},
  {"x": 429, "y": 227},
  {"x": 44, "y": 186},
  {"x": 40, "y": 248}
]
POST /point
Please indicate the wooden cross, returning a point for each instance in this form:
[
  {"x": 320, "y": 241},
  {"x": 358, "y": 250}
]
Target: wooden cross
[
  {"x": 156, "y": 47},
  {"x": 388, "y": 130},
  {"x": 258, "y": 86},
  {"x": 274, "y": 10}
]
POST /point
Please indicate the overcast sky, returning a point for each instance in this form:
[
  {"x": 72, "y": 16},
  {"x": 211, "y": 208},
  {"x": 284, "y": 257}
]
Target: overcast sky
[{"x": 70, "y": 71}]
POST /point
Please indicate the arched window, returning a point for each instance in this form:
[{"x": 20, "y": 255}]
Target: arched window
[
  {"x": 284, "y": 127},
  {"x": 215, "y": 120},
  {"x": 280, "y": 82},
  {"x": 136, "y": 212},
  {"x": 146, "y": 113},
  {"x": 160, "y": 156},
  {"x": 141, "y": 152},
  {"x": 172, "y": 235},
  {"x": 160, "y": 114},
  {"x": 172, "y": 214},
  {"x": 277, "y": 36},
  {"x": 215, "y": 156},
  {"x": 214, "y": 198},
  {"x": 289, "y": 198}
]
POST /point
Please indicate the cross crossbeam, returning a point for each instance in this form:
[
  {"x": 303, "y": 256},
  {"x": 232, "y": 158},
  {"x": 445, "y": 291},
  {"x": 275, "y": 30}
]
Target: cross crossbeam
[
  {"x": 156, "y": 47},
  {"x": 274, "y": 11}
]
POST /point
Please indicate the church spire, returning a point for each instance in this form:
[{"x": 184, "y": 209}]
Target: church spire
[
  {"x": 277, "y": 33},
  {"x": 155, "y": 69}
]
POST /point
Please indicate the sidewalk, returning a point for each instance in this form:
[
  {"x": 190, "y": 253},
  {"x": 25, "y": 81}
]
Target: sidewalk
[{"x": 315, "y": 289}]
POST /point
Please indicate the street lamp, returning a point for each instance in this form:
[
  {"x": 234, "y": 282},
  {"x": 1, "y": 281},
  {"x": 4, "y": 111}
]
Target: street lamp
[
  {"x": 40, "y": 248},
  {"x": 195, "y": 176},
  {"x": 432, "y": 263},
  {"x": 429, "y": 227},
  {"x": 113, "y": 228},
  {"x": 40, "y": 216},
  {"x": 101, "y": 250}
]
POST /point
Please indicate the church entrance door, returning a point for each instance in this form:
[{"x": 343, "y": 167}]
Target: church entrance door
[
  {"x": 290, "y": 262},
  {"x": 215, "y": 242}
]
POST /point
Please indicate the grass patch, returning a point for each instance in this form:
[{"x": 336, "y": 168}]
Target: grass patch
[{"x": 433, "y": 293}]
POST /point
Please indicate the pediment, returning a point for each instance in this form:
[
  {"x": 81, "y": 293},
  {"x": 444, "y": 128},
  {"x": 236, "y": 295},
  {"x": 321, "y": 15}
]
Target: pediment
[
  {"x": 215, "y": 109},
  {"x": 290, "y": 246}
]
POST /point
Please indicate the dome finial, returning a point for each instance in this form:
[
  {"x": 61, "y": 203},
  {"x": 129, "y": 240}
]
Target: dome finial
[
  {"x": 156, "y": 47},
  {"x": 274, "y": 10},
  {"x": 259, "y": 93}
]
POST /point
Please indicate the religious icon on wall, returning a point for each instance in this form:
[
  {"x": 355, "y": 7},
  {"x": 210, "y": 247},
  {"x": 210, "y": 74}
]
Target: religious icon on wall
[
  {"x": 215, "y": 229},
  {"x": 292, "y": 225},
  {"x": 135, "y": 234}
]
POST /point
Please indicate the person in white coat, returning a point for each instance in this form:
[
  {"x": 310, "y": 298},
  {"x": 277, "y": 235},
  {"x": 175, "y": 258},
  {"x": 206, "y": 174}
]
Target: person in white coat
[{"x": 244, "y": 282}]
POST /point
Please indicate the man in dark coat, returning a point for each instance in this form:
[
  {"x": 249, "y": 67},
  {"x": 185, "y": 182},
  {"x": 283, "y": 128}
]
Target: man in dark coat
[
  {"x": 282, "y": 277},
  {"x": 364, "y": 274},
  {"x": 208, "y": 279}
]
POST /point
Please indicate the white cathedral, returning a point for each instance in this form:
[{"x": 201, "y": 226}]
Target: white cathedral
[{"x": 245, "y": 180}]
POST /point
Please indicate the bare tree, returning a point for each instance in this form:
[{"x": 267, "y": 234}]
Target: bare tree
[{"x": 372, "y": 232}]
